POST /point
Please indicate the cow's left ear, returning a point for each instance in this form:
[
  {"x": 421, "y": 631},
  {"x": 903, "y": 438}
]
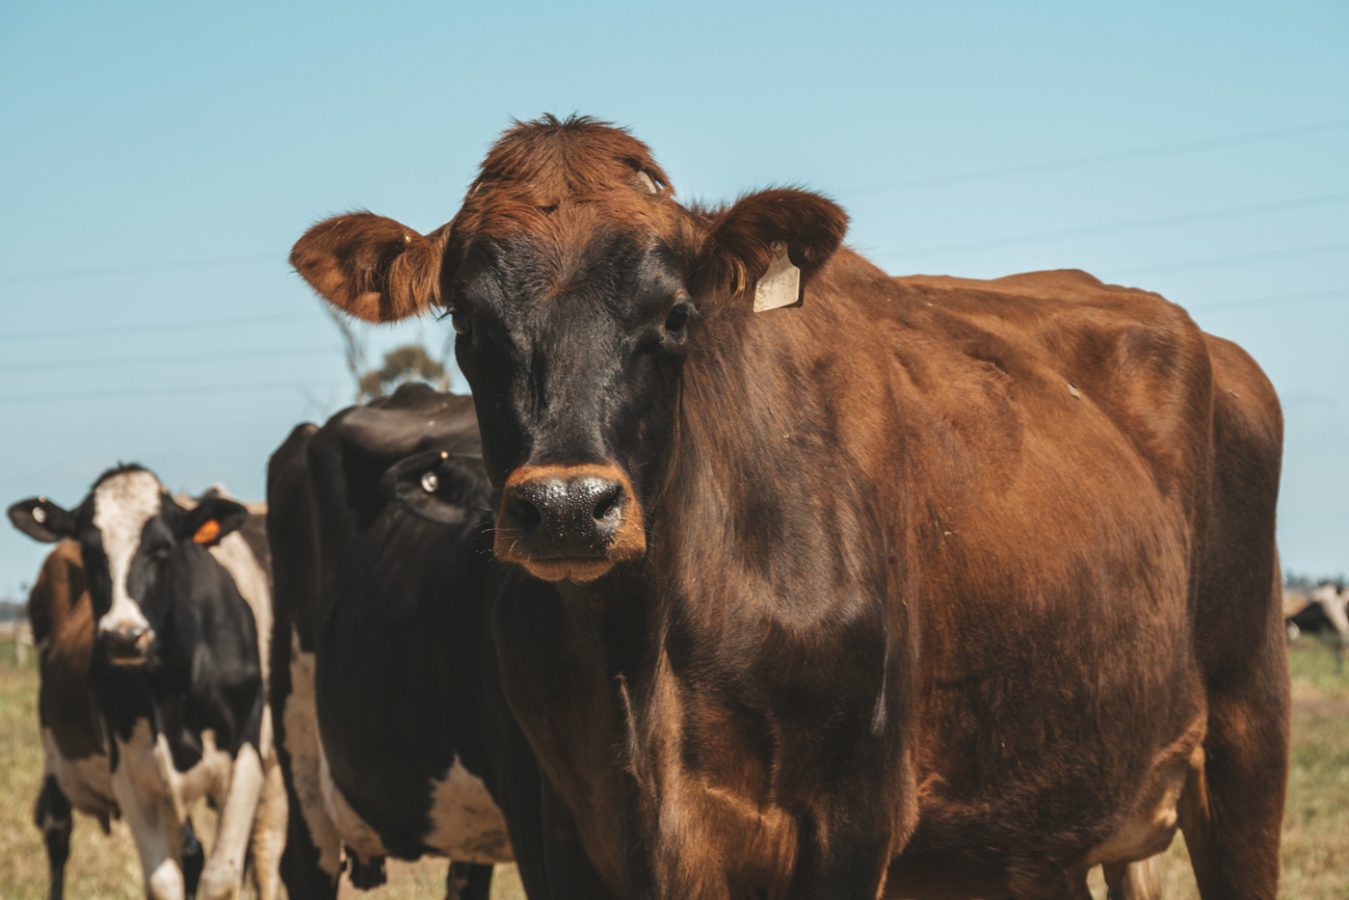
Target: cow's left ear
[
  {"x": 210, "y": 520},
  {"x": 747, "y": 239},
  {"x": 42, "y": 520}
]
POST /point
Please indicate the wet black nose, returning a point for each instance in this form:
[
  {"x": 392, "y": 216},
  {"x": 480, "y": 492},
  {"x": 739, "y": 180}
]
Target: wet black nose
[{"x": 565, "y": 518}]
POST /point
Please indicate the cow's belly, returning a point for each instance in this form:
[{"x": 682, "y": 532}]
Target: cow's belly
[
  {"x": 465, "y": 823},
  {"x": 973, "y": 845},
  {"x": 86, "y": 782}
]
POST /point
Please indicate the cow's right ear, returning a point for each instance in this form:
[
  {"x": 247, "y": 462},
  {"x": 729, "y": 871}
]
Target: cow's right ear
[
  {"x": 42, "y": 520},
  {"x": 371, "y": 267}
]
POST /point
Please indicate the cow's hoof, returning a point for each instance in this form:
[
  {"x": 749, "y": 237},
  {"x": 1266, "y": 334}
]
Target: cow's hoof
[
  {"x": 219, "y": 882},
  {"x": 366, "y": 875}
]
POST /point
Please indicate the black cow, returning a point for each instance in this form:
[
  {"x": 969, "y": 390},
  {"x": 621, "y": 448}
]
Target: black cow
[
  {"x": 181, "y": 609},
  {"x": 392, "y": 732}
]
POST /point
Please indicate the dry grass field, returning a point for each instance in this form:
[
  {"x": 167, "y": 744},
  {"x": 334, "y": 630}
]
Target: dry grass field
[{"x": 1316, "y": 833}]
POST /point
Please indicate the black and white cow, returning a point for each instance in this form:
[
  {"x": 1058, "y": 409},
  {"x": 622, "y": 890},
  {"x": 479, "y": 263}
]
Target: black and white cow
[
  {"x": 1324, "y": 612},
  {"x": 391, "y": 727},
  {"x": 181, "y": 612}
]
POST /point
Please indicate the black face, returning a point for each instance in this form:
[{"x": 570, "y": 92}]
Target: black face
[{"x": 574, "y": 356}]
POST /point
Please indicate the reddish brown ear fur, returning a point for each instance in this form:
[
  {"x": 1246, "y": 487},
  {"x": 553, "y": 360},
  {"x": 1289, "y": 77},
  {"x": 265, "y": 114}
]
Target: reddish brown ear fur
[
  {"x": 738, "y": 248},
  {"x": 371, "y": 267}
]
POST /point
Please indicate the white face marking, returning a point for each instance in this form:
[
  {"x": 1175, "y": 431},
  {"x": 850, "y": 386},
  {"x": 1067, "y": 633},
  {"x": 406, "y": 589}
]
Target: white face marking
[{"x": 122, "y": 506}]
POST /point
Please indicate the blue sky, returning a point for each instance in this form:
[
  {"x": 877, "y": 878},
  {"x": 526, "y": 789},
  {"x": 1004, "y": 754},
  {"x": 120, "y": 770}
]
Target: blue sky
[{"x": 159, "y": 159}]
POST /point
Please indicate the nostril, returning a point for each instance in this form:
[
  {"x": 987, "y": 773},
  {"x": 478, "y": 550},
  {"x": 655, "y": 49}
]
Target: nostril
[
  {"x": 608, "y": 503},
  {"x": 524, "y": 515}
]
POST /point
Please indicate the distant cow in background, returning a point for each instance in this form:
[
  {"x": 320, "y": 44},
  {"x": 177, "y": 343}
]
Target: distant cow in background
[
  {"x": 392, "y": 730},
  {"x": 178, "y": 613},
  {"x": 1323, "y": 611},
  {"x": 75, "y": 772}
]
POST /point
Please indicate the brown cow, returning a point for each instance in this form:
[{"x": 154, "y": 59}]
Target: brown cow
[
  {"x": 849, "y": 586},
  {"x": 75, "y": 769}
]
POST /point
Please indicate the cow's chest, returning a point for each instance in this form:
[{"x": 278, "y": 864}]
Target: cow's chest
[{"x": 465, "y": 823}]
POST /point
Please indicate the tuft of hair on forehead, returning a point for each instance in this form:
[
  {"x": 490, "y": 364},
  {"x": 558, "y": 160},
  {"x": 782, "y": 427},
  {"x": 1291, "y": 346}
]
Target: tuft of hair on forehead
[
  {"x": 121, "y": 469},
  {"x": 556, "y": 181},
  {"x": 577, "y": 156}
]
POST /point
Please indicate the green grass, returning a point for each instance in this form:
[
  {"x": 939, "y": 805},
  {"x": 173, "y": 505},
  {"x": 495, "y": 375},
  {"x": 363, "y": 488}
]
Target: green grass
[{"x": 1315, "y": 840}]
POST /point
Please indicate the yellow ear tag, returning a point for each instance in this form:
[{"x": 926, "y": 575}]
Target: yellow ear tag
[
  {"x": 781, "y": 285},
  {"x": 207, "y": 533}
]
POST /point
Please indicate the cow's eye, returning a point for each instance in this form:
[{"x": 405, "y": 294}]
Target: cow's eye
[
  {"x": 458, "y": 320},
  {"x": 678, "y": 317}
]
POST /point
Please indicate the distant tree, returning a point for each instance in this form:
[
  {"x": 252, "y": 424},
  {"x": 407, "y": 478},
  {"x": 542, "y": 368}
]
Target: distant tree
[
  {"x": 353, "y": 345},
  {"x": 1296, "y": 580},
  {"x": 409, "y": 362}
]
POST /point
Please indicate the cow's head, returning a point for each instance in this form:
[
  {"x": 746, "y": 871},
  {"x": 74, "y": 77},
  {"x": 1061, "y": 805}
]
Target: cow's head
[
  {"x": 138, "y": 545},
  {"x": 578, "y": 288}
]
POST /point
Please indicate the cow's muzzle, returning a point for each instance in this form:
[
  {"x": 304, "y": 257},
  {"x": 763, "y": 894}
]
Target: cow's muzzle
[
  {"x": 129, "y": 646},
  {"x": 569, "y": 523}
]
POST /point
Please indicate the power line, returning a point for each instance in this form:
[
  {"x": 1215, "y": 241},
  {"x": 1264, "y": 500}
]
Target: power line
[
  {"x": 1212, "y": 215},
  {"x": 1243, "y": 259},
  {"x": 139, "y": 267},
  {"x": 115, "y": 362},
  {"x": 1327, "y": 296},
  {"x": 225, "y": 322},
  {"x": 953, "y": 178},
  {"x": 1231, "y": 140},
  {"x": 167, "y": 390}
]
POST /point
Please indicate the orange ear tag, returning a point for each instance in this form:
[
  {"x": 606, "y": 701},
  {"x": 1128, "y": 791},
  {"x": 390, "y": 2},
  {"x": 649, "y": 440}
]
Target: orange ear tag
[{"x": 207, "y": 533}]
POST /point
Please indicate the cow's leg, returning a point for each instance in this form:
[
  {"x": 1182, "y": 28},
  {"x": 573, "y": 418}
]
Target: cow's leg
[
  {"x": 1133, "y": 881},
  {"x": 152, "y": 810},
  {"x": 269, "y": 834},
  {"x": 223, "y": 876},
  {"x": 1231, "y": 812},
  {"x": 194, "y": 858},
  {"x": 366, "y": 874},
  {"x": 1232, "y": 809},
  {"x": 312, "y": 861},
  {"x": 52, "y": 816},
  {"x": 468, "y": 881}
]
